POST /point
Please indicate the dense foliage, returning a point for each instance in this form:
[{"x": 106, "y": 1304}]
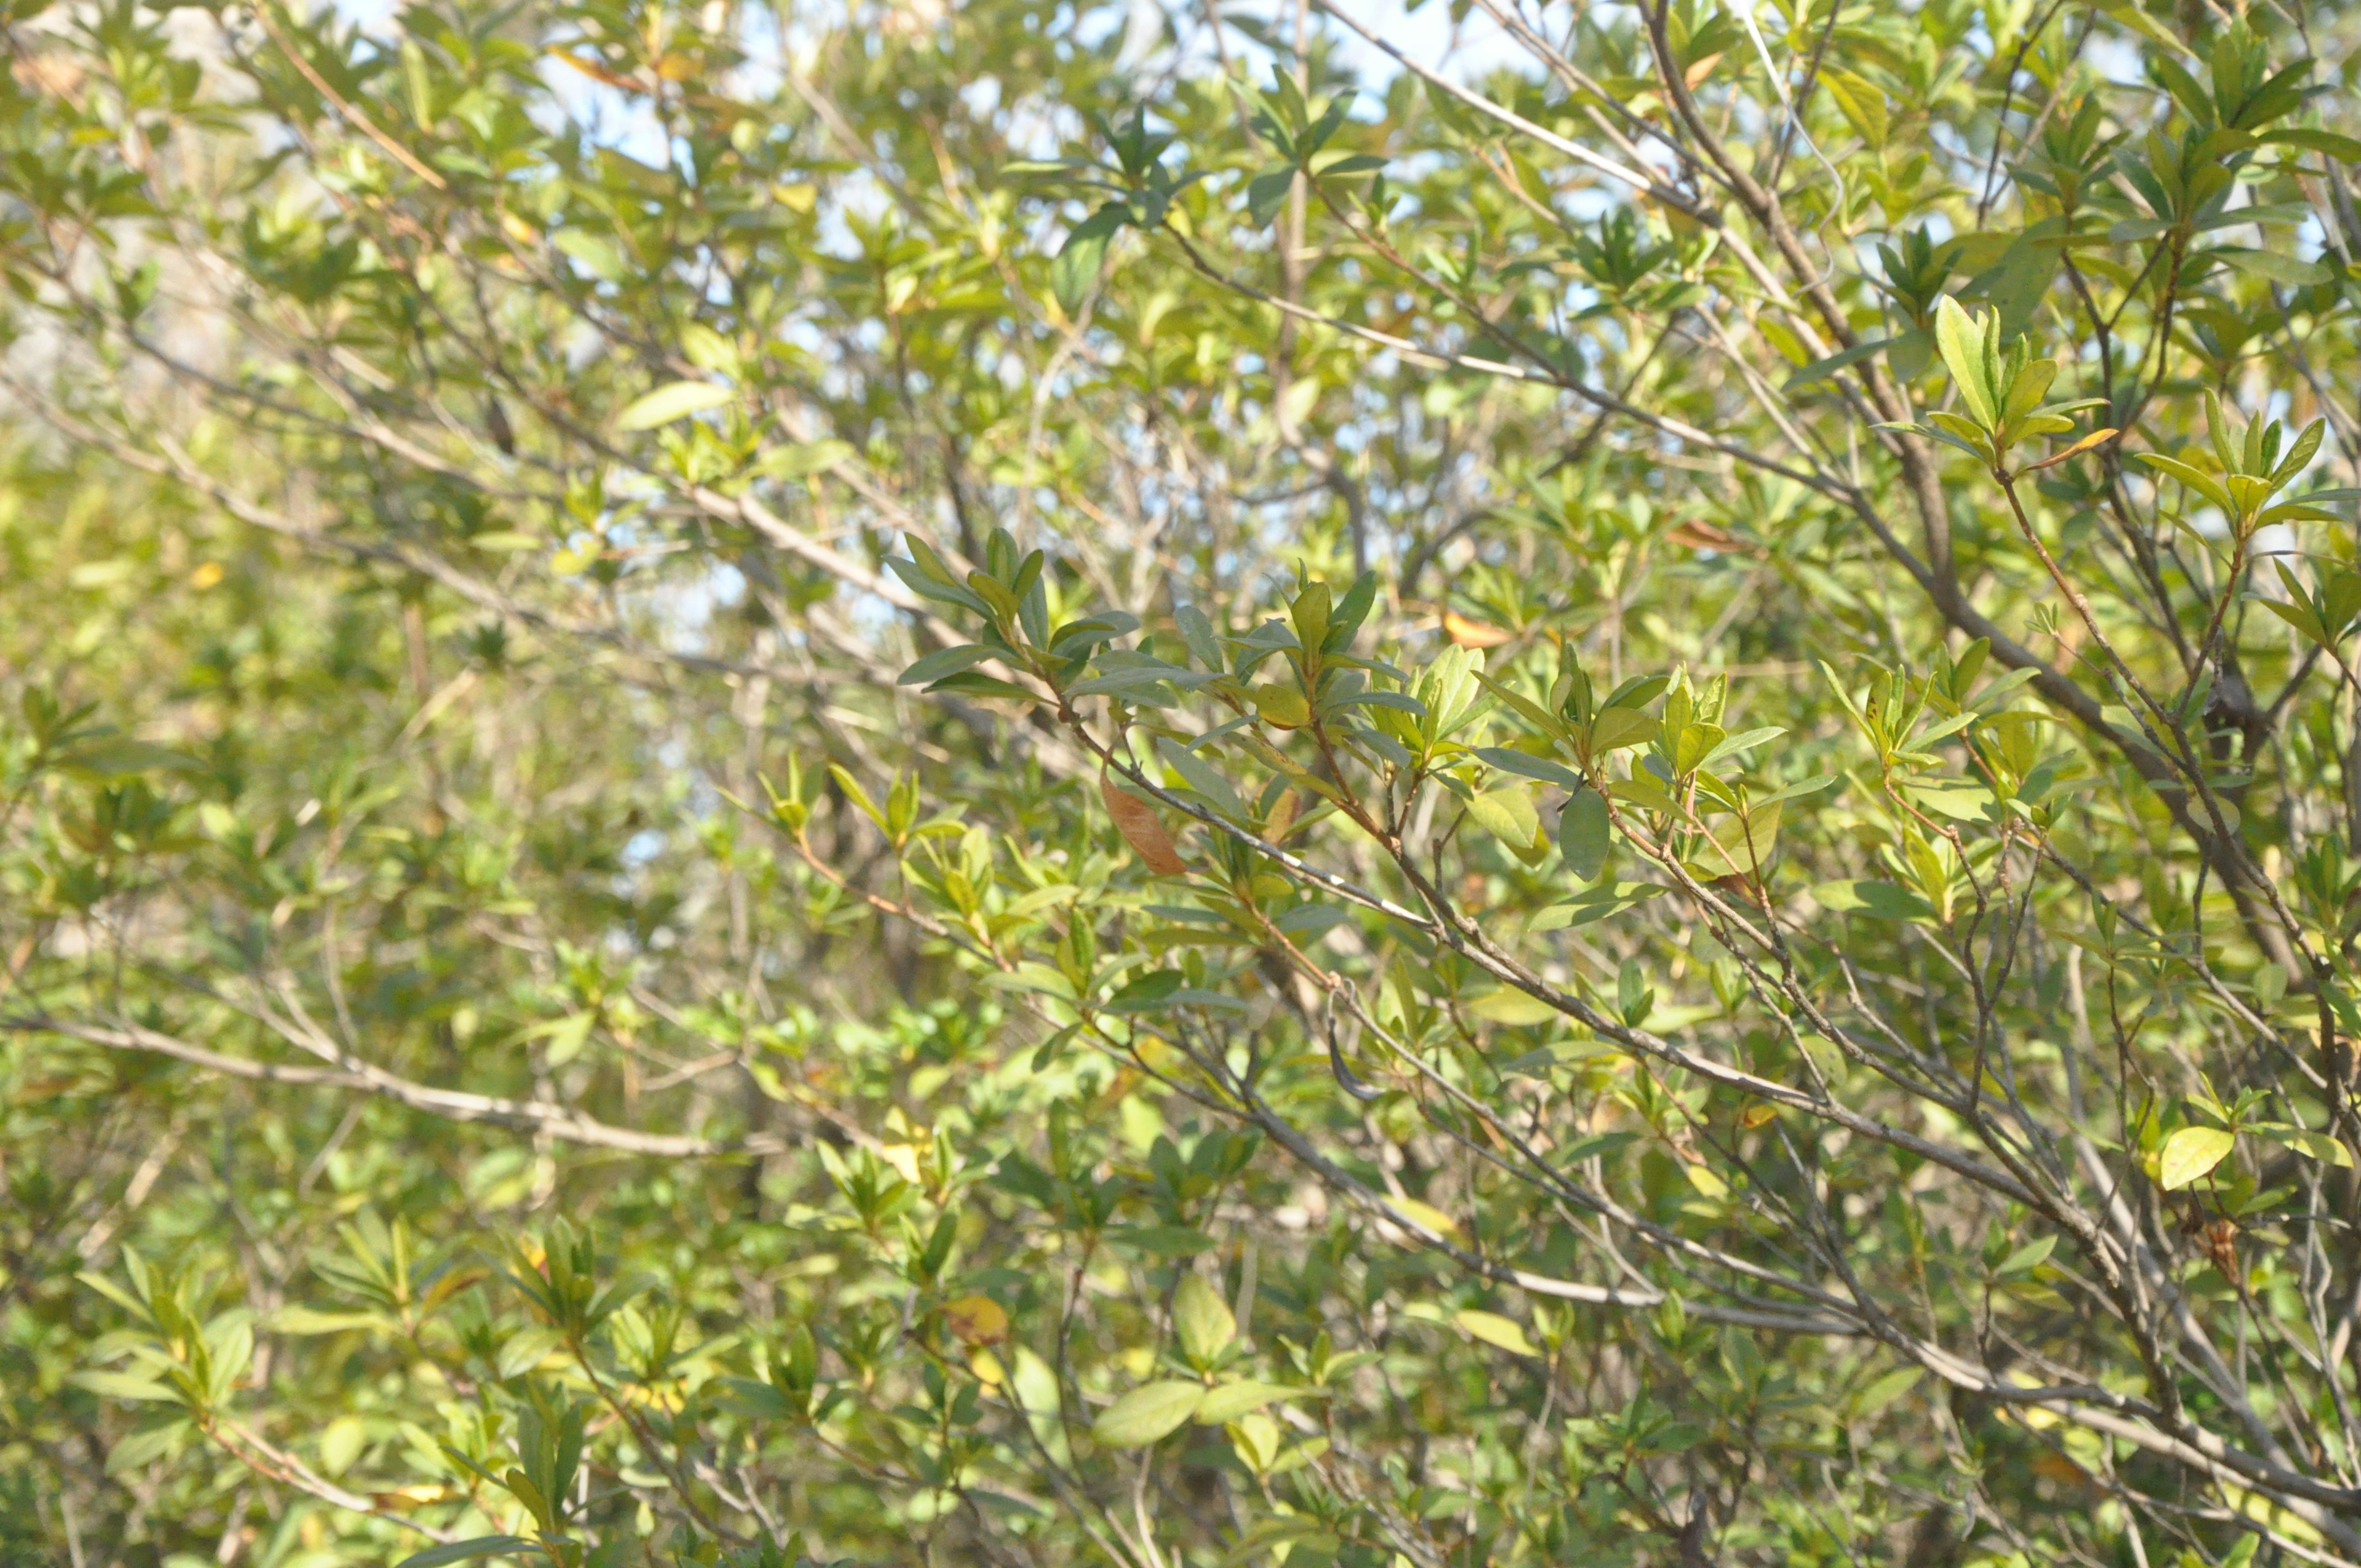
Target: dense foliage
[{"x": 1014, "y": 784}]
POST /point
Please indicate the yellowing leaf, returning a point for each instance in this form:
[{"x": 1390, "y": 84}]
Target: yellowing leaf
[
  {"x": 2313, "y": 1145},
  {"x": 2190, "y": 1152},
  {"x": 1506, "y": 1334},
  {"x": 976, "y": 1321},
  {"x": 1423, "y": 1214},
  {"x": 1282, "y": 707},
  {"x": 1707, "y": 1181}
]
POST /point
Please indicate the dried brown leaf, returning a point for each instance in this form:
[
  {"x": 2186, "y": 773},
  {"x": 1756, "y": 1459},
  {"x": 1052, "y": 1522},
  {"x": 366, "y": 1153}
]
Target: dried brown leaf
[
  {"x": 1141, "y": 828},
  {"x": 2096, "y": 437},
  {"x": 1472, "y": 633}
]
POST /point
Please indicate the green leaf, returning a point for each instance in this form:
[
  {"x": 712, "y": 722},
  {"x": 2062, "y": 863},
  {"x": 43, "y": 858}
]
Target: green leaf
[
  {"x": 1584, "y": 830},
  {"x": 667, "y": 403},
  {"x": 1524, "y": 765},
  {"x": 1508, "y": 814},
  {"x": 2197, "y": 479},
  {"x": 1746, "y": 740},
  {"x": 1883, "y": 1390},
  {"x": 2311, "y": 1144},
  {"x": 1227, "y": 1401},
  {"x": 150, "y": 1441},
  {"x": 122, "y": 757},
  {"x": 1202, "y": 780},
  {"x": 975, "y": 683},
  {"x": 2344, "y": 149},
  {"x": 2029, "y": 1257},
  {"x": 1961, "y": 800},
  {"x": 1877, "y": 900},
  {"x": 598, "y": 254},
  {"x": 2188, "y": 1154},
  {"x": 1147, "y": 1413},
  {"x": 1201, "y": 1321},
  {"x": 1162, "y": 1240},
  {"x": 461, "y": 1551},
  {"x": 1075, "y": 271},
  {"x": 1616, "y": 728},
  {"x": 2299, "y": 616},
  {"x": 1515, "y": 1008},
  {"x": 1150, "y": 992},
  {"x": 944, "y": 662},
  {"x": 1742, "y": 846},
  {"x": 300, "y": 1319},
  {"x": 526, "y": 1349},
  {"x": 1593, "y": 904},
  {"x": 1538, "y": 717},
  {"x": 2277, "y": 265},
  {"x": 1861, "y": 103},
  {"x": 1962, "y": 344},
  {"x": 1267, "y": 192},
  {"x": 1825, "y": 369},
  {"x": 121, "y": 1385},
  {"x": 1506, "y": 1334}
]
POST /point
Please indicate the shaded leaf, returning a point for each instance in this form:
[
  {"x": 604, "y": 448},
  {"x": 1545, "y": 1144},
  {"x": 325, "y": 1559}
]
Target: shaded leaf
[
  {"x": 462, "y": 1551},
  {"x": 1148, "y": 1412}
]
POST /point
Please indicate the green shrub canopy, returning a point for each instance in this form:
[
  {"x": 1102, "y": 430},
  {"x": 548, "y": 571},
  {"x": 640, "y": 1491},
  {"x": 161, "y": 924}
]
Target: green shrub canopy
[{"x": 1027, "y": 784}]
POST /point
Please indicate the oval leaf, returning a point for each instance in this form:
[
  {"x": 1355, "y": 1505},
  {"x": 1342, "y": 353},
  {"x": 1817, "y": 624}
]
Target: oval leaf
[
  {"x": 1201, "y": 1320},
  {"x": 1142, "y": 830},
  {"x": 1147, "y": 1413},
  {"x": 1512, "y": 1007},
  {"x": 1581, "y": 834},
  {"x": 977, "y": 1319},
  {"x": 1230, "y": 1401},
  {"x": 2317, "y": 1145},
  {"x": 2190, "y": 1152},
  {"x": 1506, "y": 1334},
  {"x": 1508, "y": 814},
  {"x": 667, "y": 404},
  {"x": 1424, "y": 1215}
]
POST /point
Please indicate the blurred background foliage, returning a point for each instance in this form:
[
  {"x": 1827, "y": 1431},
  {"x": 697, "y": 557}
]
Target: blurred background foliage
[{"x": 529, "y": 1034}]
